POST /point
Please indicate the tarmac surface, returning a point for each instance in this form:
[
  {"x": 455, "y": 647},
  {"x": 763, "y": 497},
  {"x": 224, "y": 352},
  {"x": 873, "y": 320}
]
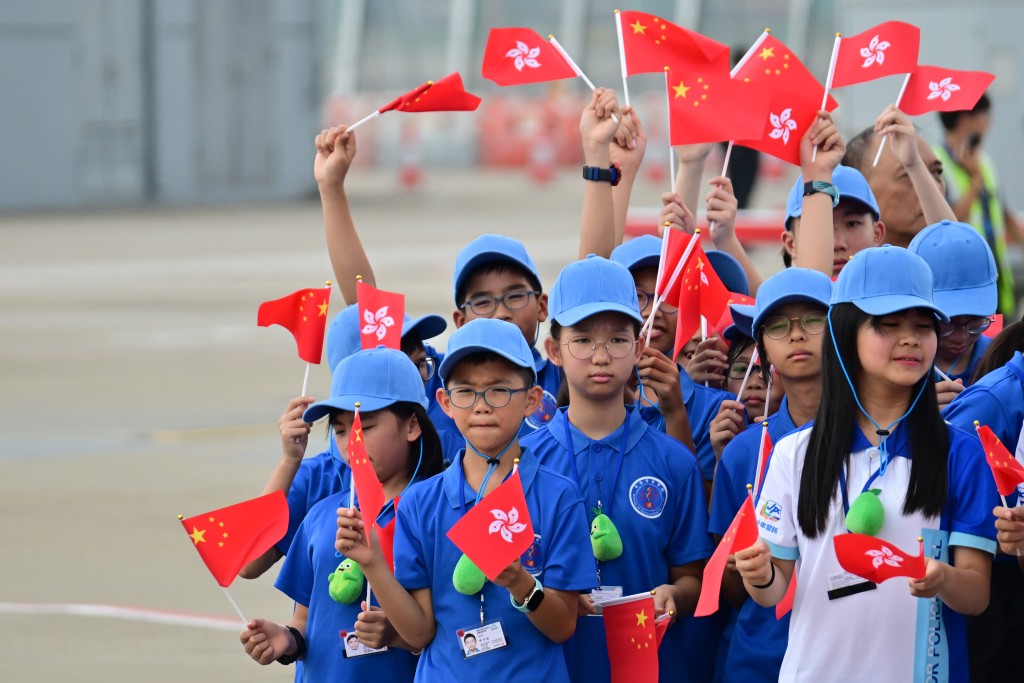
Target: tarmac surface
[{"x": 137, "y": 386}]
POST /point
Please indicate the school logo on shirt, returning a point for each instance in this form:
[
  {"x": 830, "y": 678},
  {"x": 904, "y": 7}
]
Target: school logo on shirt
[
  {"x": 648, "y": 496},
  {"x": 546, "y": 411},
  {"x": 771, "y": 511},
  {"x": 533, "y": 559}
]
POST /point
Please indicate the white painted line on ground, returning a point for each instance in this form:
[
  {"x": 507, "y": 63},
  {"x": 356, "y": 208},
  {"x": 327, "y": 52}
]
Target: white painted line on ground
[{"x": 154, "y": 616}]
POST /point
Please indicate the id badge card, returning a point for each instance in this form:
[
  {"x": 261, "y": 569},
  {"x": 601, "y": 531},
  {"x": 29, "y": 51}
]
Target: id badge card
[
  {"x": 601, "y": 595},
  {"x": 481, "y": 639},
  {"x": 351, "y": 647},
  {"x": 845, "y": 584}
]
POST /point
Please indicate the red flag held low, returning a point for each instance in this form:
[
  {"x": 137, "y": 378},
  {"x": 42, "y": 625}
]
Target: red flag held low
[
  {"x": 889, "y": 48},
  {"x": 875, "y": 560},
  {"x": 516, "y": 56},
  {"x": 1006, "y": 469},
  {"x": 742, "y": 533},
  {"x": 229, "y": 538},
  {"x": 381, "y": 315},
  {"x": 934, "y": 88},
  {"x": 633, "y": 639},
  {"x": 304, "y": 314}
]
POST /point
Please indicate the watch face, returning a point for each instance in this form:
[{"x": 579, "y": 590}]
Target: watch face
[{"x": 534, "y": 602}]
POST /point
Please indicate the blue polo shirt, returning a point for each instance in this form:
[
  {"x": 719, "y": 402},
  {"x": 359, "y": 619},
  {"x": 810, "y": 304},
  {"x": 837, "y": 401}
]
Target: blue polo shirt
[
  {"x": 560, "y": 558},
  {"x": 320, "y": 476},
  {"x": 758, "y": 640},
  {"x": 304, "y": 578},
  {"x": 656, "y": 502},
  {"x": 976, "y": 353}
]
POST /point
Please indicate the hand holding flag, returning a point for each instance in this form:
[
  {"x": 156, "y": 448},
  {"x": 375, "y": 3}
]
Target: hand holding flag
[
  {"x": 742, "y": 533},
  {"x": 365, "y": 484},
  {"x": 633, "y": 635},
  {"x": 873, "y": 559},
  {"x": 1006, "y": 469}
]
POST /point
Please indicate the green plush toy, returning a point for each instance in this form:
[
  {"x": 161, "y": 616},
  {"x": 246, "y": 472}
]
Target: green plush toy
[
  {"x": 604, "y": 538},
  {"x": 467, "y": 577},
  {"x": 346, "y": 582},
  {"x": 866, "y": 515}
]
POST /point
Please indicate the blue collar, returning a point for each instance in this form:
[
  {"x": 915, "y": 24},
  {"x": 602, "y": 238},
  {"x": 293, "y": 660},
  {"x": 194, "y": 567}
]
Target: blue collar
[
  {"x": 580, "y": 441},
  {"x": 539, "y": 362},
  {"x": 453, "y": 477},
  {"x": 897, "y": 441},
  {"x": 685, "y": 384},
  {"x": 780, "y": 423}
]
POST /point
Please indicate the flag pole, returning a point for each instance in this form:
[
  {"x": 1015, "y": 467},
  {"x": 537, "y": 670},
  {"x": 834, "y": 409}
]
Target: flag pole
[
  {"x": 575, "y": 67},
  {"x": 725, "y": 168},
  {"x": 363, "y": 120},
  {"x": 704, "y": 334},
  {"x": 661, "y": 271},
  {"x": 746, "y": 376},
  {"x": 941, "y": 374},
  {"x": 305, "y": 380},
  {"x": 658, "y": 300},
  {"x": 668, "y": 128},
  {"x": 750, "y": 53},
  {"x": 899, "y": 98},
  {"x": 352, "y": 477},
  {"x": 828, "y": 81},
  {"x": 234, "y": 604},
  {"x": 622, "y": 56},
  {"x": 760, "y": 455}
]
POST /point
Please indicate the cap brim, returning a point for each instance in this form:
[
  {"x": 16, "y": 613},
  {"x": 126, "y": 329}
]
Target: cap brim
[
  {"x": 975, "y": 301},
  {"x": 893, "y": 303},
  {"x": 428, "y": 326},
  {"x": 795, "y": 297},
  {"x": 367, "y": 404},
  {"x": 453, "y": 357},
  {"x": 573, "y": 315}
]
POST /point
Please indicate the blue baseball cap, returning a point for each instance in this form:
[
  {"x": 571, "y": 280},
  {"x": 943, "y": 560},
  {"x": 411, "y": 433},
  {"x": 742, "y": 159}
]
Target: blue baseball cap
[
  {"x": 639, "y": 252},
  {"x": 788, "y": 286},
  {"x": 851, "y": 184},
  {"x": 729, "y": 271},
  {"x": 488, "y": 248},
  {"x": 374, "y": 378},
  {"x": 742, "y": 317},
  {"x": 488, "y": 335},
  {"x": 343, "y": 333},
  {"x": 590, "y": 286},
  {"x": 884, "y": 280},
  {"x": 963, "y": 268}
]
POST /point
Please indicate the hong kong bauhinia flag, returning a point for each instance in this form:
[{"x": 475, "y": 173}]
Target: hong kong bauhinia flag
[
  {"x": 496, "y": 530},
  {"x": 889, "y": 48},
  {"x": 935, "y": 88},
  {"x": 789, "y": 117},
  {"x": 380, "y": 317},
  {"x": 875, "y": 560},
  {"x": 516, "y": 56},
  {"x": 304, "y": 314}
]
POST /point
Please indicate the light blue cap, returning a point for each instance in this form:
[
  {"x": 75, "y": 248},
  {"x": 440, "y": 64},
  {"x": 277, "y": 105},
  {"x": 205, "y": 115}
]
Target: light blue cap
[
  {"x": 343, "y": 337},
  {"x": 742, "y": 317},
  {"x": 590, "y": 286},
  {"x": 488, "y": 248},
  {"x": 639, "y": 252},
  {"x": 884, "y": 280},
  {"x": 963, "y": 268},
  {"x": 374, "y": 378},
  {"x": 788, "y": 286},
  {"x": 851, "y": 184},
  {"x": 729, "y": 271},
  {"x": 487, "y": 335}
]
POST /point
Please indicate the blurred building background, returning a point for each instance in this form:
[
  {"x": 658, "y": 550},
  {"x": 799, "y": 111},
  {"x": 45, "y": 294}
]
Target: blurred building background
[{"x": 133, "y": 102}]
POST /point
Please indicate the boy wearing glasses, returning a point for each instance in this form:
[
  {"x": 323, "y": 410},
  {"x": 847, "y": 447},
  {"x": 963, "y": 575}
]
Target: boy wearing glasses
[
  {"x": 642, "y": 489},
  {"x": 489, "y": 390}
]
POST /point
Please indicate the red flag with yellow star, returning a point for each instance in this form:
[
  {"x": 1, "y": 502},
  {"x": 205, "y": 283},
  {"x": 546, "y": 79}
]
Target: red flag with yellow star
[
  {"x": 633, "y": 639},
  {"x": 304, "y": 314},
  {"x": 650, "y": 44},
  {"x": 772, "y": 64},
  {"x": 229, "y": 538},
  {"x": 742, "y": 533},
  {"x": 700, "y": 294},
  {"x": 707, "y": 105},
  {"x": 364, "y": 479},
  {"x": 447, "y": 94},
  {"x": 1006, "y": 469}
]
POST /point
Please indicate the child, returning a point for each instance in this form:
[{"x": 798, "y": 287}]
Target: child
[
  {"x": 403, "y": 447},
  {"x": 643, "y": 487},
  {"x": 877, "y": 427},
  {"x": 788, "y": 321},
  {"x": 965, "y": 290},
  {"x": 490, "y": 388}
]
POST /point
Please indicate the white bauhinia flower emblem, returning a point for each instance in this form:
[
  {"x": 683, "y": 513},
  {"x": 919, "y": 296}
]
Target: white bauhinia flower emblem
[
  {"x": 781, "y": 125},
  {"x": 506, "y": 524},
  {"x": 377, "y": 323},
  {"x": 884, "y": 556},
  {"x": 524, "y": 55},
  {"x": 943, "y": 89},
  {"x": 874, "y": 53}
]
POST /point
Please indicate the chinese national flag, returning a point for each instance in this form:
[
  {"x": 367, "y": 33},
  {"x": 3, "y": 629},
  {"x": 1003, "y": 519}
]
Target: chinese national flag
[
  {"x": 1006, "y": 469},
  {"x": 673, "y": 251},
  {"x": 789, "y": 117},
  {"x": 380, "y": 317},
  {"x": 650, "y": 44},
  {"x": 707, "y": 105},
  {"x": 701, "y": 293},
  {"x": 934, "y": 88},
  {"x": 447, "y": 94},
  {"x": 229, "y": 538},
  {"x": 304, "y": 314},
  {"x": 633, "y": 639},
  {"x": 386, "y": 537},
  {"x": 875, "y": 560},
  {"x": 516, "y": 56},
  {"x": 742, "y": 533},
  {"x": 726, "y": 319},
  {"x": 765, "y": 456},
  {"x": 774, "y": 65},
  {"x": 368, "y": 489},
  {"x": 889, "y": 48},
  {"x": 496, "y": 530}
]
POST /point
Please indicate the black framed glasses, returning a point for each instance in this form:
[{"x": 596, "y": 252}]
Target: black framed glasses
[
  {"x": 427, "y": 367},
  {"x": 973, "y": 327},
  {"x": 738, "y": 370},
  {"x": 486, "y": 305},
  {"x": 495, "y": 397},
  {"x": 583, "y": 348},
  {"x": 779, "y": 326},
  {"x": 646, "y": 299}
]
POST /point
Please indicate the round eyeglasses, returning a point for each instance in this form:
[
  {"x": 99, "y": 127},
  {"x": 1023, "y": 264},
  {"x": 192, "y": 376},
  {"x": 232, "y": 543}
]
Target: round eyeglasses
[
  {"x": 486, "y": 305},
  {"x": 973, "y": 327},
  {"x": 495, "y": 397},
  {"x": 779, "y": 326},
  {"x": 645, "y": 299},
  {"x": 583, "y": 348}
]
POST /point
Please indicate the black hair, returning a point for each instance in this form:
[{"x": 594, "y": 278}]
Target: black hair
[
  {"x": 762, "y": 352},
  {"x": 433, "y": 456},
  {"x": 1001, "y": 350},
  {"x": 469, "y": 635},
  {"x": 828, "y": 448},
  {"x": 860, "y": 150},
  {"x": 412, "y": 342},
  {"x": 950, "y": 119},
  {"x": 787, "y": 260},
  {"x": 482, "y": 357},
  {"x": 498, "y": 267},
  {"x": 736, "y": 350},
  {"x": 351, "y": 636}
]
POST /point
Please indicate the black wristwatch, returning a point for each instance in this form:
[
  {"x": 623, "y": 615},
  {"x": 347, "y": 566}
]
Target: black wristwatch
[
  {"x": 816, "y": 186},
  {"x": 612, "y": 174},
  {"x": 533, "y": 600},
  {"x": 300, "y": 648}
]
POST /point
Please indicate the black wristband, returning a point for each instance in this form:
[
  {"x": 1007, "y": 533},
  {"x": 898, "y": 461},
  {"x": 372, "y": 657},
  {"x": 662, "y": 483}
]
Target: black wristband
[
  {"x": 770, "y": 581},
  {"x": 300, "y": 647}
]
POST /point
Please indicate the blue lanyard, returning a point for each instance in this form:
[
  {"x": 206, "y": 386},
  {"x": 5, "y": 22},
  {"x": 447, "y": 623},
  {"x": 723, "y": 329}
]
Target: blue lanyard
[
  {"x": 462, "y": 484},
  {"x": 618, "y": 466},
  {"x": 883, "y": 465}
]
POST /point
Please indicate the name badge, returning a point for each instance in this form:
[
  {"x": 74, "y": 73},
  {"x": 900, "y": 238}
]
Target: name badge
[
  {"x": 603, "y": 594},
  {"x": 351, "y": 647},
  {"x": 845, "y": 584},
  {"x": 481, "y": 639}
]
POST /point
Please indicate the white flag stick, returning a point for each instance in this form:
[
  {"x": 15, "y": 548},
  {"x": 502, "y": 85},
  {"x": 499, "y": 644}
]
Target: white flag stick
[
  {"x": 668, "y": 127},
  {"x": 234, "y": 604},
  {"x": 941, "y": 374},
  {"x": 363, "y": 120},
  {"x": 899, "y": 98},
  {"x": 750, "y": 53},
  {"x": 725, "y": 168},
  {"x": 760, "y": 457},
  {"x": 622, "y": 57},
  {"x": 659, "y": 299},
  {"x": 828, "y": 81},
  {"x": 704, "y": 334},
  {"x": 575, "y": 67},
  {"x": 746, "y": 377},
  {"x": 305, "y": 380},
  {"x": 661, "y": 269}
]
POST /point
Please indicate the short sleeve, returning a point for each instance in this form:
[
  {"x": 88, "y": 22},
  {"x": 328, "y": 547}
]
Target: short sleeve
[
  {"x": 978, "y": 403},
  {"x": 411, "y": 568},
  {"x": 689, "y": 541},
  {"x": 570, "y": 564},
  {"x": 972, "y": 495},
  {"x": 296, "y": 577},
  {"x": 776, "y": 504},
  {"x": 298, "y": 495}
]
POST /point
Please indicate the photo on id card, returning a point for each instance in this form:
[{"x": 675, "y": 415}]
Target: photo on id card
[
  {"x": 480, "y": 640},
  {"x": 351, "y": 647}
]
